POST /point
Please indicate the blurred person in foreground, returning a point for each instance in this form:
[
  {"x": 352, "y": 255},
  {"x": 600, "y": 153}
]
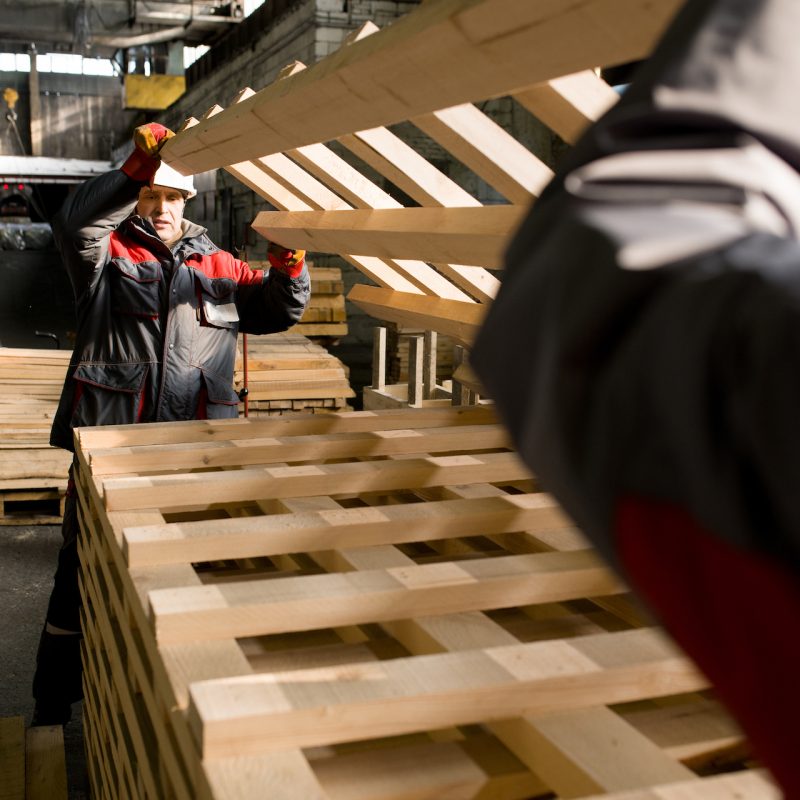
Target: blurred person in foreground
[{"x": 655, "y": 292}]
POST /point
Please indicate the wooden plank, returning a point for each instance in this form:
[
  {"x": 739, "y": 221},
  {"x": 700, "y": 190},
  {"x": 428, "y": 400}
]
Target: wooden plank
[
  {"x": 277, "y": 776},
  {"x": 570, "y": 103},
  {"x": 203, "y": 489},
  {"x": 577, "y": 752},
  {"x": 12, "y": 758},
  {"x": 488, "y": 150},
  {"x": 378, "y": 357},
  {"x": 473, "y": 236},
  {"x": 242, "y": 430},
  {"x": 45, "y": 764},
  {"x": 460, "y": 321},
  {"x": 268, "y": 606},
  {"x": 750, "y": 784},
  {"x": 365, "y": 195},
  {"x": 311, "y": 707},
  {"x": 691, "y": 731},
  {"x": 150, "y": 458},
  {"x": 474, "y": 767},
  {"x": 390, "y": 156},
  {"x": 489, "y": 47}
]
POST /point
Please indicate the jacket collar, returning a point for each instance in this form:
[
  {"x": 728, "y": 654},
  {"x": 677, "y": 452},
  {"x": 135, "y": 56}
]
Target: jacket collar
[{"x": 194, "y": 239}]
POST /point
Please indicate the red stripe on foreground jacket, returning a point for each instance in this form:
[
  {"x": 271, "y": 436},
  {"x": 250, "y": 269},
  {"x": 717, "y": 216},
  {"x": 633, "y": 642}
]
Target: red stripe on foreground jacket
[{"x": 733, "y": 610}]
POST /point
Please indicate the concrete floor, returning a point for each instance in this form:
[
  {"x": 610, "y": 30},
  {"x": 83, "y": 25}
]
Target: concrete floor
[{"x": 27, "y": 562}]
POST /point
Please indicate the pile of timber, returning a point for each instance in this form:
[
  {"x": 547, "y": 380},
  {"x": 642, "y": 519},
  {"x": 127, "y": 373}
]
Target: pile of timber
[
  {"x": 287, "y": 373},
  {"x": 325, "y": 316},
  {"x": 317, "y": 607},
  {"x": 32, "y": 763},
  {"x": 33, "y": 475}
]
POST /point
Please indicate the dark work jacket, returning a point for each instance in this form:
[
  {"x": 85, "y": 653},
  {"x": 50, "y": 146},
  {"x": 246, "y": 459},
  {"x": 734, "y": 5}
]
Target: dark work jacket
[
  {"x": 644, "y": 350},
  {"x": 156, "y": 327}
]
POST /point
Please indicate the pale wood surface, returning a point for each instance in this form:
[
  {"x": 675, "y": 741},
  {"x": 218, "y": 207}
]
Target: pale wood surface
[
  {"x": 12, "y": 758},
  {"x": 460, "y": 321},
  {"x": 45, "y": 764},
  {"x": 472, "y": 236},
  {"x": 491, "y": 47}
]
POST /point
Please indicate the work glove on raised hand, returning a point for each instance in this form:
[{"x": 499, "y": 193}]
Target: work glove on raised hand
[
  {"x": 142, "y": 163},
  {"x": 285, "y": 260}
]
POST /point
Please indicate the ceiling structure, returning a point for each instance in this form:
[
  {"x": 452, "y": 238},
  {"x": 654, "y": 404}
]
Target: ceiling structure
[{"x": 101, "y": 28}]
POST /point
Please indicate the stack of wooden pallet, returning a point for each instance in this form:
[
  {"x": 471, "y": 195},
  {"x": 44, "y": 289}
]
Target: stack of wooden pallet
[
  {"x": 33, "y": 475},
  {"x": 286, "y": 372},
  {"x": 325, "y": 317},
  {"x": 32, "y": 764},
  {"x": 317, "y": 607}
]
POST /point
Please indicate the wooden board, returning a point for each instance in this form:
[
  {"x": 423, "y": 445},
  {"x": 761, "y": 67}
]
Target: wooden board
[
  {"x": 490, "y": 47},
  {"x": 473, "y": 236},
  {"x": 32, "y": 762}
]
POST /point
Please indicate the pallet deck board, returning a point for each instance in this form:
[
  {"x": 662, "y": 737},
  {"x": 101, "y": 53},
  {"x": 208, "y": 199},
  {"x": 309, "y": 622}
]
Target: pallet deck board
[
  {"x": 311, "y": 707},
  {"x": 308, "y": 602}
]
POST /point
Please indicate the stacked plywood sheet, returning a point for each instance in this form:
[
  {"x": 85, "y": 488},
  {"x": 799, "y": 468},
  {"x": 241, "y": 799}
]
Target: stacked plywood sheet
[
  {"x": 33, "y": 475},
  {"x": 317, "y": 607},
  {"x": 286, "y": 372},
  {"x": 325, "y": 316}
]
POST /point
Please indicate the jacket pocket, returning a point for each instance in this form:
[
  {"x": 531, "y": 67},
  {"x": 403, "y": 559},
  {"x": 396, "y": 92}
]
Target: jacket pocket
[
  {"x": 218, "y": 400},
  {"x": 108, "y": 394},
  {"x": 217, "y": 301},
  {"x": 135, "y": 287}
]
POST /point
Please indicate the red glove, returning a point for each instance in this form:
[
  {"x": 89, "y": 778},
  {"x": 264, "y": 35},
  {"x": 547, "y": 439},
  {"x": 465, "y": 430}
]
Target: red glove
[
  {"x": 287, "y": 261},
  {"x": 143, "y": 162}
]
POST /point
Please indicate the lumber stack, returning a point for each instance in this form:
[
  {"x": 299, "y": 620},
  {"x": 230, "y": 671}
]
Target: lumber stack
[
  {"x": 32, "y": 762},
  {"x": 33, "y": 475},
  {"x": 317, "y": 607},
  {"x": 288, "y": 373},
  {"x": 325, "y": 316}
]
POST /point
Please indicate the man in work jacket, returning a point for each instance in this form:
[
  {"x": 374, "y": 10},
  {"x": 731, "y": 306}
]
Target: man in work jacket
[
  {"x": 159, "y": 307},
  {"x": 655, "y": 292}
]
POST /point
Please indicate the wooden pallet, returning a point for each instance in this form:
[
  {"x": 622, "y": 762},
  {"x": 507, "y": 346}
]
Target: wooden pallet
[
  {"x": 368, "y": 605},
  {"x": 32, "y": 762},
  {"x": 433, "y": 259},
  {"x": 287, "y": 372}
]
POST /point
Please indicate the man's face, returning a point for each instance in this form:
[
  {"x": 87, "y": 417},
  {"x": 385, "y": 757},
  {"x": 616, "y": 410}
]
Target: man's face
[{"x": 164, "y": 208}]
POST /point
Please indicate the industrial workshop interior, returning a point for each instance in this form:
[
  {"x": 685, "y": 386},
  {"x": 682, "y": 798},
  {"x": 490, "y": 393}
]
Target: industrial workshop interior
[{"x": 392, "y": 400}]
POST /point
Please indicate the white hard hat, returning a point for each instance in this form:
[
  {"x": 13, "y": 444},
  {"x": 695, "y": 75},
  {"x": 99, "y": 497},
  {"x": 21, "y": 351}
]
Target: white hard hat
[{"x": 167, "y": 176}]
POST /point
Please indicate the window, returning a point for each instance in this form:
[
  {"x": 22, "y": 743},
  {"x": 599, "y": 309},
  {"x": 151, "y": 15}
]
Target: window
[{"x": 56, "y": 62}]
